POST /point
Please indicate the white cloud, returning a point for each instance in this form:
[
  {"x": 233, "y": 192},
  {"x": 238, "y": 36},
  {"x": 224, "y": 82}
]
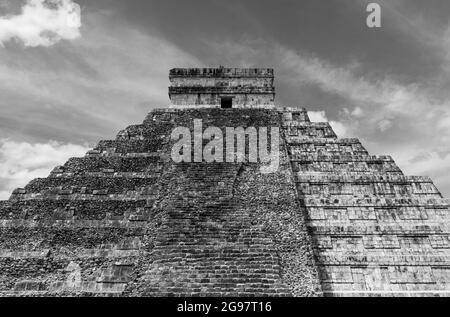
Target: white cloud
[
  {"x": 4, "y": 195},
  {"x": 338, "y": 127},
  {"x": 42, "y": 23},
  {"x": 417, "y": 161},
  {"x": 385, "y": 125},
  {"x": 382, "y": 94},
  {"x": 357, "y": 112},
  {"x": 21, "y": 162},
  {"x": 84, "y": 91},
  {"x": 317, "y": 116}
]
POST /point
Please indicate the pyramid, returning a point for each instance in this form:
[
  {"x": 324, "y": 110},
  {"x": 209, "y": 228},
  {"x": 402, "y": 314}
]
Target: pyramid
[{"x": 126, "y": 220}]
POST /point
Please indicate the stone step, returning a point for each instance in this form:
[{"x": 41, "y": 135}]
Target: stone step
[
  {"x": 87, "y": 185},
  {"x": 436, "y": 245},
  {"x": 58, "y": 237},
  {"x": 361, "y": 179},
  {"x": 111, "y": 164},
  {"x": 376, "y": 202},
  {"x": 409, "y": 229},
  {"x": 342, "y": 169},
  {"x": 62, "y": 254},
  {"x": 101, "y": 195},
  {"x": 132, "y": 146},
  {"x": 68, "y": 209},
  {"x": 367, "y": 193},
  {"x": 321, "y": 130},
  {"x": 364, "y": 188},
  {"x": 380, "y": 214},
  {"x": 371, "y": 159},
  {"x": 322, "y": 142},
  {"x": 394, "y": 259}
]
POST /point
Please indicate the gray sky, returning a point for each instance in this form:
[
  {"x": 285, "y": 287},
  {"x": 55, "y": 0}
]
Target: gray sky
[{"x": 71, "y": 84}]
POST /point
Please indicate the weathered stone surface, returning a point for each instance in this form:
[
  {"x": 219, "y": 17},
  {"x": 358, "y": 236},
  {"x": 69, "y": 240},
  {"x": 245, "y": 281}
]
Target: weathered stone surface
[
  {"x": 205, "y": 87},
  {"x": 376, "y": 232},
  {"x": 125, "y": 220}
]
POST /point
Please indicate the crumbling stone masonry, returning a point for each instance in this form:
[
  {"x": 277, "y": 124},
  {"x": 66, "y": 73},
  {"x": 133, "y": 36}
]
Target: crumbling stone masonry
[{"x": 126, "y": 221}]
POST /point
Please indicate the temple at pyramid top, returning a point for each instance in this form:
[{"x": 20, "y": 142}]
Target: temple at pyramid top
[{"x": 222, "y": 87}]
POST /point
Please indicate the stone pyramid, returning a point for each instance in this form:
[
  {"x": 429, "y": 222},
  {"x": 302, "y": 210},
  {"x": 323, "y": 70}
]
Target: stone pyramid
[{"x": 125, "y": 220}]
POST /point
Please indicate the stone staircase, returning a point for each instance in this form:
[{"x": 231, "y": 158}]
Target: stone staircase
[{"x": 208, "y": 245}]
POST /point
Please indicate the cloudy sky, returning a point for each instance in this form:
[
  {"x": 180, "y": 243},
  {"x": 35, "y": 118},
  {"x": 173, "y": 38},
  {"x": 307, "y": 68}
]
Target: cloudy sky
[{"x": 75, "y": 72}]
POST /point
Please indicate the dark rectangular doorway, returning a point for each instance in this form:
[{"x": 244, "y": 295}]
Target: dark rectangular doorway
[{"x": 226, "y": 102}]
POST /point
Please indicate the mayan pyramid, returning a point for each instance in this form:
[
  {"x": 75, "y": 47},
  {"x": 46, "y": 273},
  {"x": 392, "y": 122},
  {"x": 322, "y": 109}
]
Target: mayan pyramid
[{"x": 126, "y": 220}]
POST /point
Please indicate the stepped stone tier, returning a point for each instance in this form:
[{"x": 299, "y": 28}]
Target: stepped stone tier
[{"x": 125, "y": 220}]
